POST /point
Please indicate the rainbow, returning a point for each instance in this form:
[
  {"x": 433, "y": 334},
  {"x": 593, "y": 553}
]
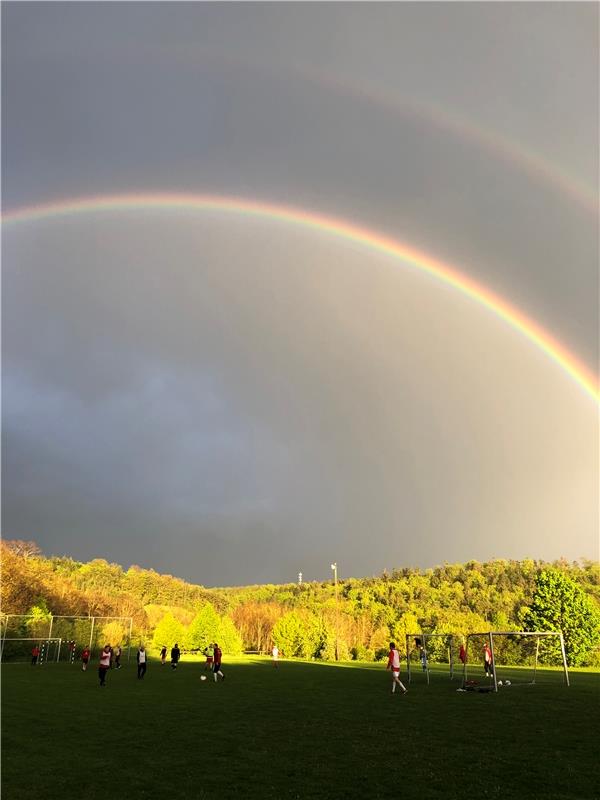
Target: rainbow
[
  {"x": 339, "y": 228},
  {"x": 500, "y": 147},
  {"x": 509, "y": 150}
]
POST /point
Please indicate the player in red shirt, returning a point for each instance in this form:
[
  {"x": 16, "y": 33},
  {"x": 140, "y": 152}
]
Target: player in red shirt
[
  {"x": 394, "y": 665},
  {"x": 85, "y": 657},
  {"x": 487, "y": 662},
  {"x": 35, "y": 653},
  {"x": 217, "y": 663}
]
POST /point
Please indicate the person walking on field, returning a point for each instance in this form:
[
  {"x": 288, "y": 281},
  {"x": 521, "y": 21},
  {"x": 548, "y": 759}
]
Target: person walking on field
[
  {"x": 118, "y": 652},
  {"x": 175, "y": 656},
  {"x": 210, "y": 655},
  {"x": 85, "y": 657},
  {"x": 488, "y": 664},
  {"x": 423, "y": 658},
  {"x": 35, "y": 654},
  {"x": 394, "y": 665},
  {"x": 163, "y": 655},
  {"x": 217, "y": 663},
  {"x": 104, "y": 664},
  {"x": 141, "y": 662},
  {"x": 275, "y": 653}
]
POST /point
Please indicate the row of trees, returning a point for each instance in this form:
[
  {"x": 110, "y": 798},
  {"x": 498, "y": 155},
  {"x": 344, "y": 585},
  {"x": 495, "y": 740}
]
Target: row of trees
[
  {"x": 206, "y": 627},
  {"x": 307, "y": 621}
]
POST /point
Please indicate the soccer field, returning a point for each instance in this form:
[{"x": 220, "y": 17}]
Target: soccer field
[{"x": 301, "y": 731}]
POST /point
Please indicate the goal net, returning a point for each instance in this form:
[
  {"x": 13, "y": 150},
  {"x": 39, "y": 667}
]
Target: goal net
[
  {"x": 76, "y": 632},
  {"x": 20, "y": 651},
  {"x": 430, "y": 654},
  {"x": 512, "y": 658}
]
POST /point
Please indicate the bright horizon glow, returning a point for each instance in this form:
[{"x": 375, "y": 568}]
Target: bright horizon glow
[{"x": 333, "y": 226}]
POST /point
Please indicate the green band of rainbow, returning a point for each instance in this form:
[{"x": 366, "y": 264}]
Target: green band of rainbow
[{"x": 334, "y": 227}]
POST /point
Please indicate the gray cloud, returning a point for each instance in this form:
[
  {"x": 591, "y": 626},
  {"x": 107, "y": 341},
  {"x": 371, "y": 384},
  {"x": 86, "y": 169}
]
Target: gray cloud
[{"x": 234, "y": 401}]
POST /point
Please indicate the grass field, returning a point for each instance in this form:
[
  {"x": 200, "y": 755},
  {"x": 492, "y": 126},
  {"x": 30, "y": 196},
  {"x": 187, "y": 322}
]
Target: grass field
[{"x": 302, "y": 731}]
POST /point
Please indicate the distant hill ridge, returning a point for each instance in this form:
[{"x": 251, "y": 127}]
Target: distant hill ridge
[{"x": 454, "y": 598}]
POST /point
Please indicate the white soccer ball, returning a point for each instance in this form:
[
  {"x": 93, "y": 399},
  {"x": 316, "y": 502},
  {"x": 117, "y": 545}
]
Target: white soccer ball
[
  {"x": 508, "y": 683},
  {"x": 202, "y": 677},
  {"x": 499, "y": 683}
]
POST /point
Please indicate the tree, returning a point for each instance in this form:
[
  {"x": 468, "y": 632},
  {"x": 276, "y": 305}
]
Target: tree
[
  {"x": 560, "y": 605},
  {"x": 23, "y": 548},
  {"x": 203, "y": 629},
  {"x": 38, "y": 623},
  {"x": 289, "y": 634},
  {"x": 114, "y": 632},
  {"x": 229, "y": 639},
  {"x": 168, "y": 631}
]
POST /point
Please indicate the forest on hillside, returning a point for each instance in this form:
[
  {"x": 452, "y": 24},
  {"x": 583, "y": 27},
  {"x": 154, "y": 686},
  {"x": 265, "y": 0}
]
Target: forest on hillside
[{"x": 307, "y": 620}]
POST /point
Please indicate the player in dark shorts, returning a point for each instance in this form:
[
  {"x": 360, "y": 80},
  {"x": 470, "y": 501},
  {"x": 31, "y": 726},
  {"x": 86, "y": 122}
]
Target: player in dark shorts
[{"x": 217, "y": 663}]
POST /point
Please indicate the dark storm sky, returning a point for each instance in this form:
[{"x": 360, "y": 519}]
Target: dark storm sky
[{"x": 234, "y": 400}]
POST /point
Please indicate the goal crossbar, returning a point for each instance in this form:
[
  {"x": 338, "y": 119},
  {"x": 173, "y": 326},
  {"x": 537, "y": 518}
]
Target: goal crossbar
[
  {"x": 37, "y": 639},
  {"x": 536, "y": 634}
]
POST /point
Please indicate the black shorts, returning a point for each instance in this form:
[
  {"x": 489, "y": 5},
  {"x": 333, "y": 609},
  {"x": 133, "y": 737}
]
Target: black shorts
[{"x": 216, "y": 667}]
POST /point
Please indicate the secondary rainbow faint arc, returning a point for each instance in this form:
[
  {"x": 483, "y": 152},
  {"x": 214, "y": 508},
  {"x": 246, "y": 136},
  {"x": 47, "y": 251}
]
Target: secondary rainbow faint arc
[{"x": 333, "y": 226}]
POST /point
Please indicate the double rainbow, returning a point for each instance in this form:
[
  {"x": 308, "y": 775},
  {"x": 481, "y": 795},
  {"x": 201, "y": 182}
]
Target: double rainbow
[{"x": 342, "y": 229}]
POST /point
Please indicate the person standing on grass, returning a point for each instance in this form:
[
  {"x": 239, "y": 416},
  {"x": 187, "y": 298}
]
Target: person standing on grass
[
  {"x": 104, "y": 664},
  {"x": 35, "y": 654},
  {"x": 275, "y": 653},
  {"x": 462, "y": 653},
  {"x": 163, "y": 655},
  {"x": 487, "y": 661},
  {"x": 141, "y": 662},
  {"x": 210, "y": 656},
  {"x": 118, "y": 652},
  {"x": 85, "y": 657},
  {"x": 394, "y": 665},
  {"x": 217, "y": 663},
  {"x": 175, "y": 656}
]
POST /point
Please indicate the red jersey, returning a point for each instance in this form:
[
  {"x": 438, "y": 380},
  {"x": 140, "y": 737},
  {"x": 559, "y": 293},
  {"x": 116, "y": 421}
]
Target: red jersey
[
  {"x": 218, "y": 655},
  {"x": 394, "y": 660}
]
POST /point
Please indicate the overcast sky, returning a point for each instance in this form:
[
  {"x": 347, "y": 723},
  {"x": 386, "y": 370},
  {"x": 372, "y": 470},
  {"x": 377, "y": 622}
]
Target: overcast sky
[{"x": 234, "y": 400}]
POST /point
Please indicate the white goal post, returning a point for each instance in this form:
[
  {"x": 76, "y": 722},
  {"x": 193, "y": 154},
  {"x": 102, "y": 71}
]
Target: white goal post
[
  {"x": 536, "y": 635},
  {"x": 11, "y": 625},
  {"x": 47, "y": 651},
  {"x": 424, "y": 638}
]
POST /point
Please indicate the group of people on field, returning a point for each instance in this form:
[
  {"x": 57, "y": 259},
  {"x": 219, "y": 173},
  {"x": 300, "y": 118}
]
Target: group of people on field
[{"x": 214, "y": 655}]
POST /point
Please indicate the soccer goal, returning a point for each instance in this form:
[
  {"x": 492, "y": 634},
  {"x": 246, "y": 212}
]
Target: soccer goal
[
  {"x": 425, "y": 649},
  {"x": 75, "y": 631},
  {"x": 511, "y": 658},
  {"x": 19, "y": 650}
]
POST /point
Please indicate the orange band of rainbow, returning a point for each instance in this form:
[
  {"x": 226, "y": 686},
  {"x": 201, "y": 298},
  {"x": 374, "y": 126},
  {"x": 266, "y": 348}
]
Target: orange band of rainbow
[{"x": 334, "y": 227}]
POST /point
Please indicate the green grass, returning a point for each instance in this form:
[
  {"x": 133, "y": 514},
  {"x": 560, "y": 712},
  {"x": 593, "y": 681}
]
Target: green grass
[{"x": 302, "y": 731}]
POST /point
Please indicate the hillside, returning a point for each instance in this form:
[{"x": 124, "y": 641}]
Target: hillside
[{"x": 306, "y": 619}]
